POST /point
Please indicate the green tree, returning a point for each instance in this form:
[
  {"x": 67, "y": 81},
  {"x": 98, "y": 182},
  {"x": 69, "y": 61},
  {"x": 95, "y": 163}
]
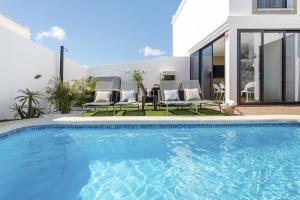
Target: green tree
[{"x": 137, "y": 76}]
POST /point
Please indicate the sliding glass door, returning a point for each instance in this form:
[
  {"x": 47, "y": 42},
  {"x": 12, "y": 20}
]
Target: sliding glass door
[
  {"x": 206, "y": 71},
  {"x": 208, "y": 66},
  {"x": 195, "y": 66},
  {"x": 292, "y": 67},
  {"x": 269, "y": 67},
  {"x": 250, "y": 67},
  {"x": 273, "y": 61}
]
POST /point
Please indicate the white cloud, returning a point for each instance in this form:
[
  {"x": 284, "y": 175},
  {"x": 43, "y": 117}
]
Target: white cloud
[
  {"x": 148, "y": 51},
  {"x": 55, "y": 32}
]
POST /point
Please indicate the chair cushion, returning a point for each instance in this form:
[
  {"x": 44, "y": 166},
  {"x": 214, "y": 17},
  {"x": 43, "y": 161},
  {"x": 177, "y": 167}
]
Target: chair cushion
[
  {"x": 102, "y": 96},
  {"x": 192, "y": 94},
  {"x": 128, "y": 96},
  {"x": 171, "y": 95}
]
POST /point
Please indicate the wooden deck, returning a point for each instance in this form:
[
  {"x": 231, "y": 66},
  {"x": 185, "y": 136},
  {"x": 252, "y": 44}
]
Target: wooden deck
[
  {"x": 266, "y": 110},
  {"x": 269, "y": 110}
]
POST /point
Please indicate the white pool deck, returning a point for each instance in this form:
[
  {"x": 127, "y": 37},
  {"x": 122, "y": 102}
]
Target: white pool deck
[{"x": 11, "y": 125}]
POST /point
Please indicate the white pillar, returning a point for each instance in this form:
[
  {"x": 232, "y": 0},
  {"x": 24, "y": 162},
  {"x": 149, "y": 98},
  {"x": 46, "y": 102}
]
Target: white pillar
[{"x": 231, "y": 65}]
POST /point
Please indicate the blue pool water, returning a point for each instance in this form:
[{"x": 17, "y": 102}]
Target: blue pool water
[{"x": 222, "y": 162}]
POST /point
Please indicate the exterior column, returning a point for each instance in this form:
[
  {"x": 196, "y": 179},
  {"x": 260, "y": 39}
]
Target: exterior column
[{"x": 231, "y": 66}]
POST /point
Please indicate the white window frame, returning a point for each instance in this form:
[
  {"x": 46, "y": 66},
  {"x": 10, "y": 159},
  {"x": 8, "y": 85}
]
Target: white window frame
[{"x": 256, "y": 10}]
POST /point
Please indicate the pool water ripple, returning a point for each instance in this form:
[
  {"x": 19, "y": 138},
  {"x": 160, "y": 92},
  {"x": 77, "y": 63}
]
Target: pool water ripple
[{"x": 152, "y": 163}]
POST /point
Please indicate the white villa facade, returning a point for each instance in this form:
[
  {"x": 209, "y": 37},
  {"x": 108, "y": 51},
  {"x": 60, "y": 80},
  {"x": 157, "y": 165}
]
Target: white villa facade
[
  {"x": 253, "y": 46},
  {"x": 250, "y": 46}
]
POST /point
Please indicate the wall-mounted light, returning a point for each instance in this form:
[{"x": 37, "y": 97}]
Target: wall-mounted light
[{"x": 38, "y": 76}]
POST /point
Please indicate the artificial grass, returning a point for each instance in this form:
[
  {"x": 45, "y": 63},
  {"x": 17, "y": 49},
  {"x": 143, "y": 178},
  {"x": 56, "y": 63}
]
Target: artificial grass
[{"x": 133, "y": 111}]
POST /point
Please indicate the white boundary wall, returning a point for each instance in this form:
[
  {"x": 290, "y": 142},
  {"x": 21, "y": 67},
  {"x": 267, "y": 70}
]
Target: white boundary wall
[
  {"x": 152, "y": 69},
  {"x": 20, "y": 61}
]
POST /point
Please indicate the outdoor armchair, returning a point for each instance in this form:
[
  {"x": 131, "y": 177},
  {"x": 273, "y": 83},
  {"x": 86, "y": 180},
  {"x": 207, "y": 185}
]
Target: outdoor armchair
[
  {"x": 218, "y": 92},
  {"x": 248, "y": 90}
]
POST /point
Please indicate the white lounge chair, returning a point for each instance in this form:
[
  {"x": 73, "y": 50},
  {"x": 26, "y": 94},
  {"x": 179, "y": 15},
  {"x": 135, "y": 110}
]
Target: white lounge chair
[
  {"x": 101, "y": 86},
  {"x": 170, "y": 86},
  {"x": 194, "y": 84},
  {"x": 128, "y": 86}
]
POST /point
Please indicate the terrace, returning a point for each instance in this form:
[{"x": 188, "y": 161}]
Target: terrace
[
  {"x": 207, "y": 111},
  {"x": 171, "y": 127}
]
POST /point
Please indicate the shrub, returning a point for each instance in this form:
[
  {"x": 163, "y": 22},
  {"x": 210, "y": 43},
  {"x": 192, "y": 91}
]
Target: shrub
[
  {"x": 28, "y": 105},
  {"x": 83, "y": 90},
  {"x": 60, "y": 95},
  {"x": 74, "y": 93}
]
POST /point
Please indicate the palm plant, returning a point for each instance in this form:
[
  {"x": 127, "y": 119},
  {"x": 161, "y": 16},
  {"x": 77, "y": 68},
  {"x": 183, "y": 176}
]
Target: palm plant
[
  {"x": 18, "y": 110},
  {"x": 29, "y": 105},
  {"x": 137, "y": 76}
]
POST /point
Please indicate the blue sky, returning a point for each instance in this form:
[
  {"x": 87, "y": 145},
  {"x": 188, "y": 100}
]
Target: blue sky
[{"x": 98, "y": 31}]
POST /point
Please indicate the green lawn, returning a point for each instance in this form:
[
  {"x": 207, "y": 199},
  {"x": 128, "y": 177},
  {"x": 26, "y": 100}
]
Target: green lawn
[{"x": 133, "y": 111}]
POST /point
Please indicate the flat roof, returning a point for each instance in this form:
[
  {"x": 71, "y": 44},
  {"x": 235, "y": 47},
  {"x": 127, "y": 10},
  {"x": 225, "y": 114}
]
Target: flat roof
[{"x": 179, "y": 9}]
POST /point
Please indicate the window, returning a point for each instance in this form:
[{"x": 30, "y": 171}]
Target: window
[
  {"x": 273, "y": 67},
  {"x": 195, "y": 66},
  {"x": 269, "y": 67},
  {"x": 272, "y": 4},
  {"x": 250, "y": 66}
]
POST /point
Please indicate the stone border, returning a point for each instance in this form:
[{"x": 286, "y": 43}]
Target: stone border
[{"x": 12, "y": 125}]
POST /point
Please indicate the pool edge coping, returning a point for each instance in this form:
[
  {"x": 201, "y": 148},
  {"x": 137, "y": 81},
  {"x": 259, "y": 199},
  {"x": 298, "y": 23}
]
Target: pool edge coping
[{"x": 88, "y": 121}]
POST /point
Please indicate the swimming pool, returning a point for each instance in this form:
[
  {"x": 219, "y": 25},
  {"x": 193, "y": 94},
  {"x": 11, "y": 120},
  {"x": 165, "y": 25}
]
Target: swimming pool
[{"x": 151, "y": 162}]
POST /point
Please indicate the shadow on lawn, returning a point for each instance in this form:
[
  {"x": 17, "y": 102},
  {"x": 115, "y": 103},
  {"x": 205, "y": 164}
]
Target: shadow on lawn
[
  {"x": 133, "y": 113},
  {"x": 150, "y": 112}
]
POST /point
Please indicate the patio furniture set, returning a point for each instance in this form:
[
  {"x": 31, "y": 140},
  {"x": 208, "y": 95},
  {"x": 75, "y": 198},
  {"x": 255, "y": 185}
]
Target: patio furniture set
[{"x": 169, "y": 94}]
